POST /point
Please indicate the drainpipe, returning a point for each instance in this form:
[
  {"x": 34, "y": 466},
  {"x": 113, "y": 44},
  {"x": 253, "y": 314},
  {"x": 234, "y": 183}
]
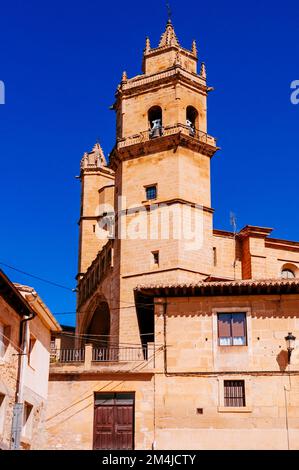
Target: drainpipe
[
  {"x": 17, "y": 419},
  {"x": 164, "y": 334}
]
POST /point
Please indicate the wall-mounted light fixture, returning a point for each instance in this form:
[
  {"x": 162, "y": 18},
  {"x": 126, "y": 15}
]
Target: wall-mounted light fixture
[{"x": 290, "y": 340}]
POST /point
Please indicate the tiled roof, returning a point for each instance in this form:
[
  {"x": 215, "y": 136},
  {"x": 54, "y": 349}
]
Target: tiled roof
[{"x": 233, "y": 287}]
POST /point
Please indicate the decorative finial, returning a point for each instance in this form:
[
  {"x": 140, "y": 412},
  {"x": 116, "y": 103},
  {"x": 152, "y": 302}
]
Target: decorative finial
[
  {"x": 147, "y": 44},
  {"x": 194, "y": 48},
  {"x": 177, "y": 60},
  {"x": 124, "y": 77},
  {"x": 203, "y": 71},
  {"x": 95, "y": 158},
  {"x": 169, "y": 37}
]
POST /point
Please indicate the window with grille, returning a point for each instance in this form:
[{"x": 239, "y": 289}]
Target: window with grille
[
  {"x": 151, "y": 192},
  {"x": 234, "y": 393},
  {"x": 232, "y": 329}
]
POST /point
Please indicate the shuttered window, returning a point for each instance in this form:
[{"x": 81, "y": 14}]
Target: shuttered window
[
  {"x": 232, "y": 329},
  {"x": 234, "y": 393}
]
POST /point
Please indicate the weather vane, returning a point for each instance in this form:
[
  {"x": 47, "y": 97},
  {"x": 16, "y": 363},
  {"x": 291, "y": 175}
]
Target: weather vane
[{"x": 169, "y": 13}]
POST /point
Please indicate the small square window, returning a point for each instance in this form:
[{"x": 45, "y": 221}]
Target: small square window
[
  {"x": 151, "y": 192},
  {"x": 232, "y": 329},
  {"x": 234, "y": 393}
]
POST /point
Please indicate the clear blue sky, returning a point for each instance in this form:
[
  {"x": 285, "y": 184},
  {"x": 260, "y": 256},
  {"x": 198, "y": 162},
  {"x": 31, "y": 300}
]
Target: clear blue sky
[{"x": 61, "y": 62}]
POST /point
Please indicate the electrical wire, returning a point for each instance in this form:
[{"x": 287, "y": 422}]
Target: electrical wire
[
  {"x": 56, "y": 284},
  {"x": 37, "y": 277}
]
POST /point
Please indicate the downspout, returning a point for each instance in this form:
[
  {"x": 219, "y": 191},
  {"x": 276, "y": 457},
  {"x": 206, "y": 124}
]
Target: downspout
[
  {"x": 164, "y": 334},
  {"x": 17, "y": 419}
]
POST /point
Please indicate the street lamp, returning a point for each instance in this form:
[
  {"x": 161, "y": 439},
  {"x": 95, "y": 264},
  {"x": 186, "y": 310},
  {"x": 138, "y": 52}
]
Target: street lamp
[{"x": 290, "y": 340}]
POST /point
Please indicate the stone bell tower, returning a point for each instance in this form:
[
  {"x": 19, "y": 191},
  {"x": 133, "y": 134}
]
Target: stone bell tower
[
  {"x": 161, "y": 159},
  {"x": 97, "y": 190}
]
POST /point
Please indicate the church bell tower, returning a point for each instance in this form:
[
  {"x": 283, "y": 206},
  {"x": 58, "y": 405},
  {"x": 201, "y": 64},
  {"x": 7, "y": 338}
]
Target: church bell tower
[{"x": 162, "y": 159}]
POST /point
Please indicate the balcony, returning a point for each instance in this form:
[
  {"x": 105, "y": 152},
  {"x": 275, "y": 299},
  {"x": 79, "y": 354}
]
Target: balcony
[
  {"x": 67, "y": 355},
  {"x": 103, "y": 359},
  {"x": 145, "y": 136}
]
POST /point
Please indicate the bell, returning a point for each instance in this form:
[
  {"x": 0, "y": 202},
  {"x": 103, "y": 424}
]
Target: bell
[
  {"x": 156, "y": 128},
  {"x": 190, "y": 125}
]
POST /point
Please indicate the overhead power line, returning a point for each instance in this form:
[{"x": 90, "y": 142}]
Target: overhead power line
[{"x": 37, "y": 277}]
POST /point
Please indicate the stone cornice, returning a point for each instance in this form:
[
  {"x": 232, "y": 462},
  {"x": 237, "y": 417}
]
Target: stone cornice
[
  {"x": 162, "y": 49},
  {"x": 282, "y": 244},
  {"x": 104, "y": 171},
  {"x": 254, "y": 231},
  {"x": 148, "y": 206},
  {"x": 175, "y": 73},
  {"x": 76, "y": 372}
]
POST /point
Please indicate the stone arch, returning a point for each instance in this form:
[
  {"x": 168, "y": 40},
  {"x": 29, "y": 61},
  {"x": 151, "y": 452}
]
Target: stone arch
[{"x": 97, "y": 330}]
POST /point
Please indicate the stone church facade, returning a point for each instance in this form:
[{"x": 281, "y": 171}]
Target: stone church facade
[{"x": 181, "y": 337}]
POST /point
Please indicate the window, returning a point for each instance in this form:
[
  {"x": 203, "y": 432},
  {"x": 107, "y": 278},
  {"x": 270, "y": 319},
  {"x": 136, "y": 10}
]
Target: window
[
  {"x": 155, "y": 122},
  {"x": 214, "y": 256},
  {"x": 4, "y": 338},
  {"x": 155, "y": 257},
  {"x": 287, "y": 274},
  {"x": 2, "y": 412},
  {"x": 151, "y": 192},
  {"x": 27, "y": 419},
  {"x": 32, "y": 342},
  {"x": 232, "y": 329},
  {"x": 191, "y": 120},
  {"x": 2, "y": 346},
  {"x": 234, "y": 393}
]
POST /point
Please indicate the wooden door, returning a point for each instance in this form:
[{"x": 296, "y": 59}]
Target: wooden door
[{"x": 114, "y": 422}]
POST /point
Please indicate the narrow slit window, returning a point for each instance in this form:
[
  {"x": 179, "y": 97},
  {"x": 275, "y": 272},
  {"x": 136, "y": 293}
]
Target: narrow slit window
[
  {"x": 32, "y": 342},
  {"x": 155, "y": 257},
  {"x": 27, "y": 419},
  {"x": 215, "y": 256}
]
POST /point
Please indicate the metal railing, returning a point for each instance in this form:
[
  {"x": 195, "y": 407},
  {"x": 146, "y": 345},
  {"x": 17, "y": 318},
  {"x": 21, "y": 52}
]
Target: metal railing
[
  {"x": 67, "y": 355},
  {"x": 119, "y": 354},
  {"x": 145, "y": 136}
]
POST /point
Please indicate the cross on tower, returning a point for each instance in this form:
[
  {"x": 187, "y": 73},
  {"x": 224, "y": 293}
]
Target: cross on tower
[{"x": 169, "y": 13}]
